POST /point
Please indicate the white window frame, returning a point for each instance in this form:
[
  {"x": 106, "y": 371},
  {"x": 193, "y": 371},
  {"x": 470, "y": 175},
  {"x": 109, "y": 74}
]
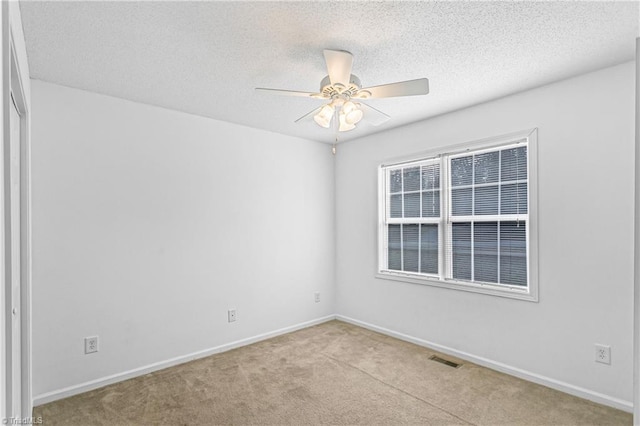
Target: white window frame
[{"x": 530, "y": 292}]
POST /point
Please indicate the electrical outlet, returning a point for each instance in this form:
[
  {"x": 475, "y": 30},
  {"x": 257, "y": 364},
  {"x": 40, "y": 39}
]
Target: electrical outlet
[
  {"x": 90, "y": 344},
  {"x": 317, "y": 297},
  {"x": 232, "y": 315},
  {"x": 603, "y": 354}
]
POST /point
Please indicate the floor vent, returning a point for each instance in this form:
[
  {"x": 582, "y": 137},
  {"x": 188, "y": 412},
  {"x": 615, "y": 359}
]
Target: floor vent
[{"x": 444, "y": 361}]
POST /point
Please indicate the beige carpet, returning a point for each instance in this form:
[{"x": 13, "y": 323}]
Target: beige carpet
[{"x": 333, "y": 373}]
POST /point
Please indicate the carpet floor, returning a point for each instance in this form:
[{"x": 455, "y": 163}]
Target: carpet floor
[{"x": 333, "y": 373}]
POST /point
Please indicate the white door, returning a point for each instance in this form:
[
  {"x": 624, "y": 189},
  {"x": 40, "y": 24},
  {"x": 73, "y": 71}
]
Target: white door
[{"x": 16, "y": 352}]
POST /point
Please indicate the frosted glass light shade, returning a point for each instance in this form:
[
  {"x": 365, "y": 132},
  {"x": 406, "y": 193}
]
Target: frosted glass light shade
[
  {"x": 352, "y": 112},
  {"x": 344, "y": 126},
  {"x": 323, "y": 118}
]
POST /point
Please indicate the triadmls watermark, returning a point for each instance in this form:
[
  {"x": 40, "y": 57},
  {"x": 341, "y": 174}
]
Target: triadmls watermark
[{"x": 22, "y": 421}]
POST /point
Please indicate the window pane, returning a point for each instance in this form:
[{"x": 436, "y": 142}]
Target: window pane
[
  {"x": 486, "y": 200},
  {"x": 410, "y": 247},
  {"x": 394, "y": 247},
  {"x": 395, "y": 180},
  {"x": 513, "y": 198},
  {"x": 431, "y": 176},
  {"x": 485, "y": 251},
  {"x": 431, "y": 204},
  {"x": 461, "y": 250},
  {"x": 514, "y": 163},
  {"x": 461, "y": 171},
  {"x": 396, "y": 205},
  {"x": 412, "y": 179},
  {"x": 513, "y": 253},
  {"x": 486, "y": 167},
  {"x": 412, "y": 204},
  {"x": 429, "y": 249},
  {"x": 461, "y": 201}
]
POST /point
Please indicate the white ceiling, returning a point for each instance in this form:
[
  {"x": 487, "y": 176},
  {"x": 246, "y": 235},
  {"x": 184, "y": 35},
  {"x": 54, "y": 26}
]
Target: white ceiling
[{"x": 206, "y": 58}]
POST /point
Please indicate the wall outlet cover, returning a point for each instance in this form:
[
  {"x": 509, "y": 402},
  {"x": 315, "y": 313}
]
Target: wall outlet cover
[
  {"x": 603, "y": 354},
  {"x": 90, "y": 344}
]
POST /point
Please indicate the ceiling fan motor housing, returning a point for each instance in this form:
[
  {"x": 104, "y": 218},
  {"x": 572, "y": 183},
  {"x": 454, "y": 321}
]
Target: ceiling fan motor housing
[{"x": 331, "y": 91}]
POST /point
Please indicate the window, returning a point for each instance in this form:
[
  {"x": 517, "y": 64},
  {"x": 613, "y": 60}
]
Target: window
[{"x": 463, "y": 218}]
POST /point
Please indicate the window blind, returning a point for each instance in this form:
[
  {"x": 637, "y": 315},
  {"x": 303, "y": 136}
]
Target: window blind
[
  {"x": 413, "y": 217},
  {"x": 487, "y": 221}
]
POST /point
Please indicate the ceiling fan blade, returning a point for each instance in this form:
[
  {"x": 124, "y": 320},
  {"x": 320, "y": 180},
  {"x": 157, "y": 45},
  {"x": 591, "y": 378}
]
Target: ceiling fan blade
[
  {"x": 372, "y": 115},
  {"x": 311, "y": 114},
  {"x": 339, "y": 63},
  {"x": 402, "y": 88},
  {"x": 289, "y": 93}
]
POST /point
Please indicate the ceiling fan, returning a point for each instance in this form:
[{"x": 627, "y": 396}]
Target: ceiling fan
[{"x": 344, "y": 92}]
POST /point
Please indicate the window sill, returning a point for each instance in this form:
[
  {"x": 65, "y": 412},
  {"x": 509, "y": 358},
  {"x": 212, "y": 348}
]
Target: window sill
[{"x": 510, "y": 292}]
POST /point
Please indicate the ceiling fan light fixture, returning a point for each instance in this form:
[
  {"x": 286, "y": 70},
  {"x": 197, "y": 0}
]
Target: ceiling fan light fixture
[
  {"x": 344, "y": 125},
  {"x": 323, "y": 118},
  {"x": 348, "y": 107},
  {"x": 352, "y": 112}
]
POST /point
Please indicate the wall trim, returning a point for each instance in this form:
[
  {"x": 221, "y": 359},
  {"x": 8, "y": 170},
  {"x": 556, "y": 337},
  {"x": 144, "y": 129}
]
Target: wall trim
[
  {"x": 140, "y": 371},
  {"x": 503, "y": 368}
]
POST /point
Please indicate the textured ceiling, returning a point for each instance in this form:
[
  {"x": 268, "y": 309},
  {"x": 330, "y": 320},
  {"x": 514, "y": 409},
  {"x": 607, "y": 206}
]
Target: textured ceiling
[{"x": 206, "y": 58}]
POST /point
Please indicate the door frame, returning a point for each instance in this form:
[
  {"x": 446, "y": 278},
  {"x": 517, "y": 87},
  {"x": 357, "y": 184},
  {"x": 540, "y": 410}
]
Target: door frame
[
  {"x": 636, "y": 255},
  {"x": 14, "y": 86}
]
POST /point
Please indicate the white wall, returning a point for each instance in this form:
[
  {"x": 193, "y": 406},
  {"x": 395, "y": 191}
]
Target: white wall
[
  {"x": 586, "y": 169},
  {"x": 148, "y": 224}
]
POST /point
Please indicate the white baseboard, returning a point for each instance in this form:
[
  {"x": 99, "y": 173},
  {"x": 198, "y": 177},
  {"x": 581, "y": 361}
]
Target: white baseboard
[
  {"x": 104, "y": 381},
  {"x": 503, "y": 368}
]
